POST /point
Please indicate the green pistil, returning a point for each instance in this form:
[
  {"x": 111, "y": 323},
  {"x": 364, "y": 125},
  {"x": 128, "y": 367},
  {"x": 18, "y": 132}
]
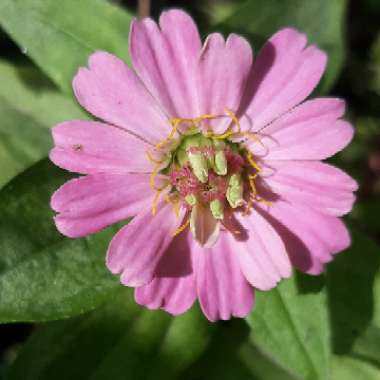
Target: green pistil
[
  {"x": 198, "y": 161},
  {"x": 220, "y": 165},
  {"x": 235, "y": 191},
  {"x": 199, "y": 165},
  {"x": 191, "y": 199},
  {"x": 217, "y": 209}
]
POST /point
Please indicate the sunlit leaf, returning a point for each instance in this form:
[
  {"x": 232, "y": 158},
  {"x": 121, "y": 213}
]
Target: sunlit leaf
[
  {"x": 60, "y": 35},
  {"x": 322, "y": 21},
  {"x": 290, "y": 323},
  {"x": 29, "y": 106},
  {"x": 349, "y": 368}
]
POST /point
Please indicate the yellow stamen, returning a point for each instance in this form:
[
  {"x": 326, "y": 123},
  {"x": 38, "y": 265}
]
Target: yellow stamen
[
  {"x": 155, "y": 201},
  {"x": 153, "y": 175},
  {"x": 175, "y": 203},
  {"x": 235, "y": 232},
  {"x": 151, "y": 158},
  {"x": 229, "y": 132},
  {"x": 252, "y": 162},
  {"x": 262, "y": 200},
  {"x": 175, "y": 123},
  {"x": 226, "y": 134},
  {"x": 206, "y": 116},
  {"x": 181, "y": 228},
  {"x": 254, "y": 137},
  {"x": 234, "y": 118},
  {"x": 248, "y": 207},
  {"x": 251, "y": 180}
]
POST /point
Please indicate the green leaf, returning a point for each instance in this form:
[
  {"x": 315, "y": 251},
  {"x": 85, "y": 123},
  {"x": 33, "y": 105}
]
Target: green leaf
[
  {"x": 367, "y": 213},
  {"x": 375, "y": 65},
  {"x": 118, "y": 341},
  {"x": 60, "y": 35},
  {"x": 348, "y": 368},
  {"x": 290, "y": 323},
  {"x": 354, "y": 298},
  {"x": 233, "y": 354},
  {"x": 44, "y": 275},
  {"x": 321, "y": 20},
  {"x": 29, "y": 106}
]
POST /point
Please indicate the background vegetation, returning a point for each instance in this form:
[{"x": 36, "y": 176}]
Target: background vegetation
[{"x": 63, "y": 316}]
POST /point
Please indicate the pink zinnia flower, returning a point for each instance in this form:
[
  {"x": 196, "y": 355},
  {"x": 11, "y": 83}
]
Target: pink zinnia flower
[{"x": 215, "y": 155}]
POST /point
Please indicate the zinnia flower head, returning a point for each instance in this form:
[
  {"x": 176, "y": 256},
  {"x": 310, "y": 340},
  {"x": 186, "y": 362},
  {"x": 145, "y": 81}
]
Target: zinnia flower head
[{"x": 217, "y": 157}]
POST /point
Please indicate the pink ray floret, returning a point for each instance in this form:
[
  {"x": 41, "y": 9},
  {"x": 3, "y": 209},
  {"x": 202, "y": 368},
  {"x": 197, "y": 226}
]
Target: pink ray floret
[{"x": 217, "y": 157}]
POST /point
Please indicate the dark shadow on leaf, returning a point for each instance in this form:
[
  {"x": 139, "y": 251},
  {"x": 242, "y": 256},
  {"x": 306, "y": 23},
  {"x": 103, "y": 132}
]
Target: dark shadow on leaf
[
  {"x": 350, "y": 280},
  {"x": 309, "y": 284},
  {"x": 221, "y": 360},
  {"x": 33, "y": 78}
]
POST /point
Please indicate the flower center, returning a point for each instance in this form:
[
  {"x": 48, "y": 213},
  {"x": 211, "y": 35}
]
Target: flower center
[{"x": 205, "y": 169}]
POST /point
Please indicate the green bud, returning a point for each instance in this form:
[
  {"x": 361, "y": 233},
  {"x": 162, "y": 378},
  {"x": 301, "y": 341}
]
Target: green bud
[
  {"x": 191, "y": 199},
  {"x": 219, "y": 144},
  {"x": 197, "y": 140},
  {"x": 198, "y": 161},
  {"x": 220, "y": 163},
  {"x": 235, "y": 191},
  {"x": 199, "y": 165},
  {"x": 182, "y": 157},
  {"x": 217, "y": 209}
]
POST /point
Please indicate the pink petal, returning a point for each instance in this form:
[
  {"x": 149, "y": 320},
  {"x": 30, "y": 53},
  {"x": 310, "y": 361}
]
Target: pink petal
[
  {"x": 311, "y": 239},
  {"x": 222, "y": 289},
  {"x": 223, "y": 71},
  {"x": 111, "y": 91},
  {"x": 173, "y": 287},
  {"x": 283, "y": 75},
  {"x": 88, "y": 204},
  {"x": 137, "y": 248},
  {"x": 308, "y": 132},
  {"x": 165, "y": 59},
  {"x": 263, "y": 257},
  {"x": 90, "y": 147},
  {"x": 314, "y": 184}
]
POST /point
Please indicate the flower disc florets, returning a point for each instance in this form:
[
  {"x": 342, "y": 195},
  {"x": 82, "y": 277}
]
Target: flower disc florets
[{"x": 206, "y": 171}]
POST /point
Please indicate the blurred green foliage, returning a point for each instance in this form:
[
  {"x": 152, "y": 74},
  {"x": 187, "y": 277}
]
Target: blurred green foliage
[{"x": 310, "y": 328}]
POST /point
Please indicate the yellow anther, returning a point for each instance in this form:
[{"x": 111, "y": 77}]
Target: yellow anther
[
  {"x": 234, "y": 118},
  {"x": 262, "y": 200},
  {"x": 229, "y": 132},
  {"x": 206, "y": 116},
  {"x": 254, "y": 137},
  {"x": 175, "y": 203},
  {"x": 235, "y": 232},
  {"x": 226, "y": 134},
  {"x": 251, "y": 180},
  {"x": 181, "y": 228},
  {"x": 152, "y": 178},
  {"x": 151, "y": 158},
  {"x": 252, "y": 162},
  {"x": 248, "y": 207},
  {"x": 175, "y": 123},
  {"x": 155, "y": 201}
]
